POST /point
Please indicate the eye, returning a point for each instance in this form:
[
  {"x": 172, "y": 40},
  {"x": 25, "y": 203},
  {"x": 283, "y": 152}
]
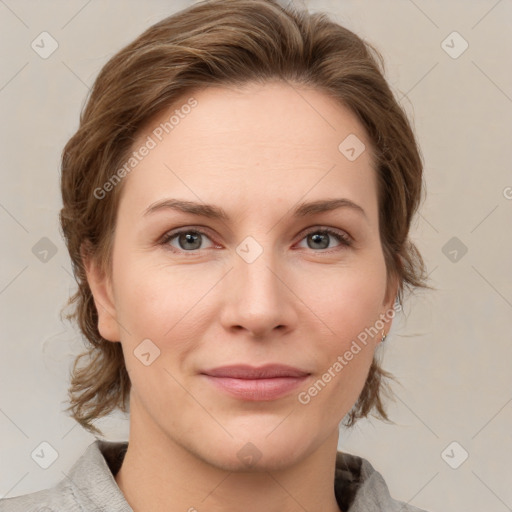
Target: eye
[
  {"x": 192, "y": 239},
  {"x": 187, "y": 240},
  {"x": 320, "y": 238}
]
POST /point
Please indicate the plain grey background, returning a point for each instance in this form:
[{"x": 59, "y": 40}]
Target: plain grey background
[{"x": 451, "y": 348}]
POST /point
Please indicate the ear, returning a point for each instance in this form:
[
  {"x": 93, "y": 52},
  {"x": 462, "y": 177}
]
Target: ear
[
  {"x": 102, "y": 292},
  {"x": 391, "y": 291},
  {"x": 390, "y": 298}
]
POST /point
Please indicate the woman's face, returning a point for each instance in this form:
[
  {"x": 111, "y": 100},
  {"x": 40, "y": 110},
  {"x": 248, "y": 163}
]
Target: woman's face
[{"x": 262, "y": 284}]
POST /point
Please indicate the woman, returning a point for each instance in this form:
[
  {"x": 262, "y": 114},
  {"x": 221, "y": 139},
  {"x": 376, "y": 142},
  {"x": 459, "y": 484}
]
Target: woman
[{"x": 269, "y": 142}]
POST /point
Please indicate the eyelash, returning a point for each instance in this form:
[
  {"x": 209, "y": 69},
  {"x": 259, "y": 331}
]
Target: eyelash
[{"x": 344, "y": 239}]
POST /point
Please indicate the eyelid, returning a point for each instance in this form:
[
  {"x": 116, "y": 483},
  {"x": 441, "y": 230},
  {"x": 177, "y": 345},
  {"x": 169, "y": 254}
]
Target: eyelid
[{"x": 333, "y": 231}]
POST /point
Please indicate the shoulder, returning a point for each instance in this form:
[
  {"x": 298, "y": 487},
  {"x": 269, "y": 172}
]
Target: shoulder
[
  {"x": 360, "y": 488},
  {"x": 55, "y": 499},
  {"x": 88, "y": 486}
]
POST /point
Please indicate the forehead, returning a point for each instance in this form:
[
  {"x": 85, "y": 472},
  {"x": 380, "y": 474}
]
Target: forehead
[{"x": 258, "y": 141}]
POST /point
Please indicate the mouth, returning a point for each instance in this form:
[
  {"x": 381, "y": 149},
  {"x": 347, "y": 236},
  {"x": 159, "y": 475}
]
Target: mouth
[{"x": 250, "y": 383}]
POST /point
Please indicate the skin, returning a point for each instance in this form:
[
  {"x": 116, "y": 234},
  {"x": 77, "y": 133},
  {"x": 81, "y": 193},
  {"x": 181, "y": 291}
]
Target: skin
[{"x": 255, "y": 151}]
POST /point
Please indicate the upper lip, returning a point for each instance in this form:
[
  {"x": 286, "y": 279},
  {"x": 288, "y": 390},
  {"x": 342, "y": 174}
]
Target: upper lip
[{"x": 244, "y": 371}]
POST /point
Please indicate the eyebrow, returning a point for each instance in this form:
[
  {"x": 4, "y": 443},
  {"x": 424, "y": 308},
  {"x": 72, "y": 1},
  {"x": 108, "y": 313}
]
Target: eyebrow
[{"x": 215, "y": 212}]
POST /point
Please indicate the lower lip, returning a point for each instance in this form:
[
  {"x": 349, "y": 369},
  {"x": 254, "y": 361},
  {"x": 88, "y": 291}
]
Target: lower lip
[{"x": 257, "y": 389}]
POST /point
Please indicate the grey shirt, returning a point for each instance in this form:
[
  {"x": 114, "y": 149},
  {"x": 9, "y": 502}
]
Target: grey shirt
[{"x": 90, "y": 486}]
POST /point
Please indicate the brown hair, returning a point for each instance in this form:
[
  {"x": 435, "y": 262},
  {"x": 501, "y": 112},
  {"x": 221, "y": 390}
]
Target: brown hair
[{"x": 223, "y": 42}]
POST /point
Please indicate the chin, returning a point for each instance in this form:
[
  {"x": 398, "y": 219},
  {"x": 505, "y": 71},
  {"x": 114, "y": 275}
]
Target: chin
[
  {"x": 264, "y": 461},
  {"x": 254, "y": 450}
]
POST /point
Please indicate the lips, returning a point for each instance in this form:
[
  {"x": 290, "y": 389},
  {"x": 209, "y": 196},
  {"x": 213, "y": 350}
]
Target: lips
[
  {"x": 268, "y": 371},
  {"x": 263, "y": 383}
]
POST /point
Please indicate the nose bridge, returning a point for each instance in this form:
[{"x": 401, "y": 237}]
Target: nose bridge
[
  {"x": 255, "y": 268},
  {"x": 256, "y": 297}
]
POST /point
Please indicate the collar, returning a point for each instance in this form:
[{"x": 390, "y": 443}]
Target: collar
[{"x": 358, "y": 486}]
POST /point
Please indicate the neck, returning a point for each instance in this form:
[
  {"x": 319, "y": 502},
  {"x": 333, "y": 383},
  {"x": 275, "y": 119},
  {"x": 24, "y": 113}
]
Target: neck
[{"x": 161, "y": 475}]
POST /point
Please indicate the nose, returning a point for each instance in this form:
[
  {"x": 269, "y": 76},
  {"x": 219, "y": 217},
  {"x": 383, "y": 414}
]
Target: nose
[{"x": 258, "y": 297}]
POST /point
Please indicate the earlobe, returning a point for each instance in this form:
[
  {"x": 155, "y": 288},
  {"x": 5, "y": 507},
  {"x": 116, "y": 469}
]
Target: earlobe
[{"x": 102, "y": 292}]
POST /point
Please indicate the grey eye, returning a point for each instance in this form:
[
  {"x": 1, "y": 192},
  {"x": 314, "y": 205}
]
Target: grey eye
[{"x": 187, "y": 240}]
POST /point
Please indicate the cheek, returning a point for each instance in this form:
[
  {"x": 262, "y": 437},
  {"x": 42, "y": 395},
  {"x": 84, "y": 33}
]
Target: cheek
[
  {"x": 348, "y": 306},
  {"x": 160, "y": 302},
  {"x": 347, "y": 300}
]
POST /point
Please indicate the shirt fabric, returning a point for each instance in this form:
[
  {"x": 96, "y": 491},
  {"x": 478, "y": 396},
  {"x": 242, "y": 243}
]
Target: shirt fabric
[{"x": 90, "y": 486}]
